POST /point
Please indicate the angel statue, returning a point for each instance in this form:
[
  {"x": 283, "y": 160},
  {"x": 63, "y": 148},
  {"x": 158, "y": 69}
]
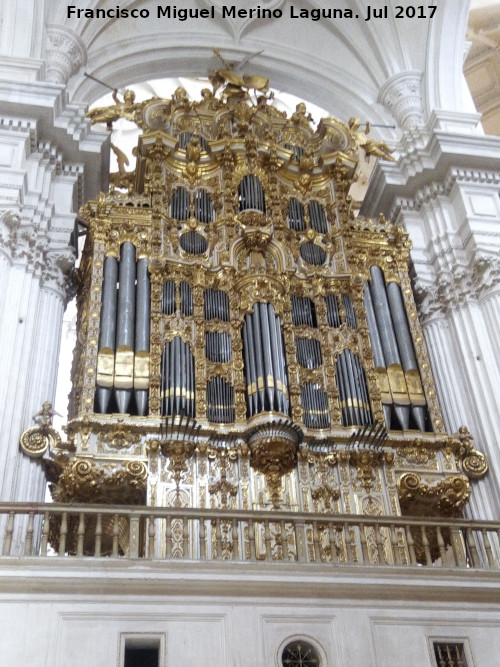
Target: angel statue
[
  {"x": 121, "y": 178},
  {"x": 44, "y": 416},
  {"x": 369, "y": 145},
  {"x": 127, "y": 109},
  {"x": 237, "y": 87}
]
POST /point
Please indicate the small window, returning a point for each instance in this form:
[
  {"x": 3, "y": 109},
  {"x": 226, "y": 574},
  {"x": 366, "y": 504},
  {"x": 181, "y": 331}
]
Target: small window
[
  {"x": 140, "y": 650},
  {"x": 300, "y": 653},
  {"x": 141, "y": 657},
  {"x": 449, "y": 654}
]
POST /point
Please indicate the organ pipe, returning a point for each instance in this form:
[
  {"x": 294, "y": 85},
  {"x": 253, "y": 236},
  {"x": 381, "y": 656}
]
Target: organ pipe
[
  {"x": 350, "y": 315},
  {"x": 107, "y": 335},
  {"x": 332, "y": 310},
  {"x": 179, "y": 207},
  {"x": 265, "y": 366},
  {"x": 297, "y": 151},
  {"x": 393, "y": 348},
  {"x": 203, "y": 207},
  {"x": 407, "y": 351},
  {"x": 218, "y": 347},
  {"x": 168, "y": 298},
  {"x": 193, "y": 243},
  {"x": 378, "y": 356},
  {"x": 186, "y": 299},
  {"x": 216, "y": 305},
  {"x": 308, "y": 353},
  {"x": 251, "y": 194},
  {"x": 220, "y": 401},
  {"x": 303, "y": 311},
  {"x": 353, "y": 391},
  {"x": 312, "y": 253},
  {"x": 282, "y": 375},
  {"x": 177, "y": 381},
  {"x": 395, "y": 373},
  {"x": 314, "y": 402},
  {"x": 296, "y": 217},
  {"x": 124, "y": 364},
  {"x": 317, "y": 216},
  {"x": 142, "y": 329}
]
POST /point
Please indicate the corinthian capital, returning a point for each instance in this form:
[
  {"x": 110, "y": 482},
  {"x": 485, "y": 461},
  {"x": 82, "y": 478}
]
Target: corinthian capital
[
  {"x": 402, "y": 96},
  {"x": 57, "y": 272},
  {"x": 65, "y": 53}
]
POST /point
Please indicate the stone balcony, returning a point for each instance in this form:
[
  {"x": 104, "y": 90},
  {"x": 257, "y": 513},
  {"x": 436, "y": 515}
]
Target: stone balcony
[{"x": 55, "y": 531}]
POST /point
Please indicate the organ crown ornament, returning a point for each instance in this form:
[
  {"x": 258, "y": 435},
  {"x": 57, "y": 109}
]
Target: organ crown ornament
[{"x": 243, "y": 340}]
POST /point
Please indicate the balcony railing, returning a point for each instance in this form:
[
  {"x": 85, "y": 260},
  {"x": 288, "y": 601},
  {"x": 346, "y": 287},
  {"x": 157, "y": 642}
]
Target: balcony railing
[{"x": 125, "y": 532}]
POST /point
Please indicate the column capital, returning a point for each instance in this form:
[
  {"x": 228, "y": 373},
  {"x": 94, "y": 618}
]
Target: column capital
[
  {"x": 401, "y": 95},
  {"x": 28, "y": 247},
  {"x": 452, "y": 288},
  {"x": 65, "y": 53}
]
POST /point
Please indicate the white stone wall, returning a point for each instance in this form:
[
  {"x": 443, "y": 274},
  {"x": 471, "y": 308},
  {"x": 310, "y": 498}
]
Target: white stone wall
[{"x": 242, "y": 616}]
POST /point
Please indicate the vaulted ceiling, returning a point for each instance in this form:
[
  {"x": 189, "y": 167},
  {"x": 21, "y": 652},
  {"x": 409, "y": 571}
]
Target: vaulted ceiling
[
  {"x": 340, "y": 64},
  {"x": 482, "y": 66}
]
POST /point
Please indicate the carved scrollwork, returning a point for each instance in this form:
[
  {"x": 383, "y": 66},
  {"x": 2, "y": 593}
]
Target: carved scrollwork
[
  {"x": 37, "y": 440},
  {"x": 446, "y": 498}
]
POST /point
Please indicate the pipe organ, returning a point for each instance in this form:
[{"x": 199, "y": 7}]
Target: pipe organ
[{"x": 237, "y": 324}]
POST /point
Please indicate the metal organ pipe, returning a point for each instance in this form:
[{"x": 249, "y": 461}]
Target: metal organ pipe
[
  {"x": 107, "y": 334},
  {"x": 179, "y": 208},
  {"x": 314, "y": 402},
  {"x": 308, "y": 353},
  {"x": 350, "y": 315},
  {"x": 296, "y": 218},
  {"x": 353, "y": 391},
  {"x": 383, "y": 316},
  {"x": 260, "y": 309},
  {"x": 378, "y": 353},
  {"x": 303, "y": 312},
  {"x": 177, "y": 379},
  {"x": 251, "y": 194},
  {"x": 254, "y": 407},
  {"x": 317, "y": 217},
  {"x": 216, "y": 305},
  {"x": 265, "y": 367},
  {"x": 168, "y": 298},
  {"x": 406, "y": 349},
  {"x": 259, "y": 362},
  {"x": 142, "y": 330},
  {"x": 364, "y": 390},
  {"x": 186, "y": 299},
  {"x": 282, "y": 372},
  {"x": 220, "y": 401},
  {"x": 332, "y": 310},
  {"x": 203, "y": 207},
  {"x": 389, "y": 346},
  {"x": 125, "y": 327}
]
